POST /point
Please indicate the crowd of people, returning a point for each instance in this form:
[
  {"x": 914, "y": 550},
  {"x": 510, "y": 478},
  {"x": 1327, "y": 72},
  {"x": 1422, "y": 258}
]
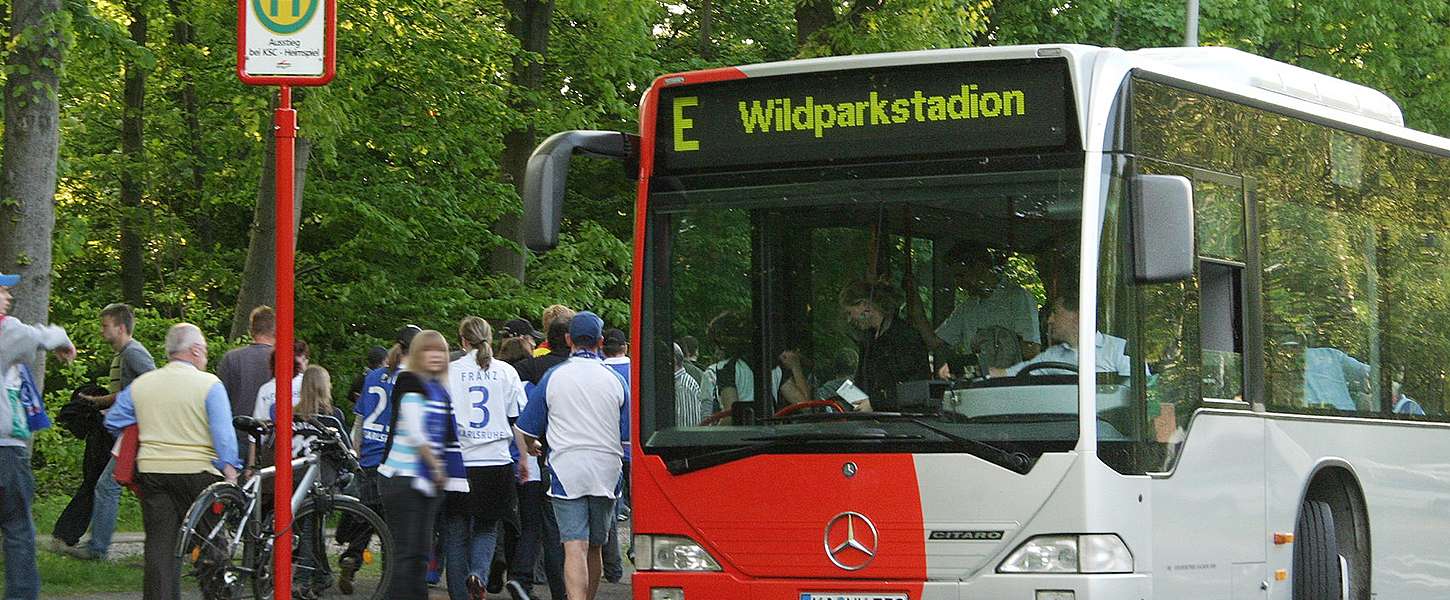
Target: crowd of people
[{"x": 483, "y": 457}]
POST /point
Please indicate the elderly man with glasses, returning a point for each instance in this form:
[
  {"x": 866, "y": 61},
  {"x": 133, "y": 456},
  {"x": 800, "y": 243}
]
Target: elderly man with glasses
[{"x": 187, "y": 443}]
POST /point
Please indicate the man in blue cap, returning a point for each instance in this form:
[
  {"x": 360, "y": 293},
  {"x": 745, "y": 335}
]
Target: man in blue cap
[
  {"x": 581, "y": 406},
  {"x": 22, "y": 413}
]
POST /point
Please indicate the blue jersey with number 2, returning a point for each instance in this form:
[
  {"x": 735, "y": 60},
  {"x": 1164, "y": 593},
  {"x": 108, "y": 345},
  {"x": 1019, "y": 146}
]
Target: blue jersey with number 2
[{"x": 375, "y": 412}]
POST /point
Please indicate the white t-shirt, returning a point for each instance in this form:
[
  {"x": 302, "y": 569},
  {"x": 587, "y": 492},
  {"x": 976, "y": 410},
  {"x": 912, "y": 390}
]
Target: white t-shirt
[
  {"x": 1009, "y": 306},
  {"x": 483, "y": 403},
  {"x": 267, "y": 398},
  {"x": 579, "y": 406}
]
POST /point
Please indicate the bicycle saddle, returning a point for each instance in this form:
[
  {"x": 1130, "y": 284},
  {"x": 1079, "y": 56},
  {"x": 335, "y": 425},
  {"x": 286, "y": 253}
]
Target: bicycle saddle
[{"x": 250, "y": 425}]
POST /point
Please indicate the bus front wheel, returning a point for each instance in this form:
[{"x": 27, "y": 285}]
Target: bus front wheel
[{"x": 1317, "y": 573}]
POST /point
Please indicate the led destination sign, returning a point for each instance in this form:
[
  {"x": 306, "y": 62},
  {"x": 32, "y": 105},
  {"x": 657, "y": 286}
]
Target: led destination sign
[{"x": 865, "y": 114}]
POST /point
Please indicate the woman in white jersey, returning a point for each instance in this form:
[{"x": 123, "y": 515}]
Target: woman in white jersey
[{"x": 486, "y": 397}]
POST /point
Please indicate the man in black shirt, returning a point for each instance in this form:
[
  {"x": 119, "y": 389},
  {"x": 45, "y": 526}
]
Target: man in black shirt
[
  {"x": 532, "y": 370},
  {"x": 891, "y": 351}
]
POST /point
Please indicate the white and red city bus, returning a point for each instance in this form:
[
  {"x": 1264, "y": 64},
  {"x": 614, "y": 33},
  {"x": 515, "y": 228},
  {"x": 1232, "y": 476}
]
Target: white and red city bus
[{"x": 1257, "y": 251}]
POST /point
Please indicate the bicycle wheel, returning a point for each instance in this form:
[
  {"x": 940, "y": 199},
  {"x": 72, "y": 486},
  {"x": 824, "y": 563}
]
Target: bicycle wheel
[
  {"x": 318, "y": 565},
  {"x": 217, "y": 540}
]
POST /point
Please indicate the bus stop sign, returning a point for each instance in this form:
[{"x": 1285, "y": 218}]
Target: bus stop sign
[{"x": 286, "y": 42}]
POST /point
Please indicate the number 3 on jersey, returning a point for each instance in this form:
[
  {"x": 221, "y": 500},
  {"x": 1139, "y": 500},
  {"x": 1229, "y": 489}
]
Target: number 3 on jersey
[{"x": 479, "y": 397}]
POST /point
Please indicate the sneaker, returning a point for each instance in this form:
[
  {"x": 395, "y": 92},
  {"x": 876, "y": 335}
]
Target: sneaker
[
  {"x": 475, "y": 587},
  {"x": 496, "y": 577},
  {"x": 347, "y": 567},
  {"x": 59, "y": 546},
  {"x": 517, "y": 590},
  {"x": 81, "y": 552}
]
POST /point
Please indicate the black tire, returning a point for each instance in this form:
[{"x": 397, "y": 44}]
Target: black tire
[
  {"x": 206, "y": 545},
  {"x": 1316, "y": 554},
  {"x": 371, "y": 582}
]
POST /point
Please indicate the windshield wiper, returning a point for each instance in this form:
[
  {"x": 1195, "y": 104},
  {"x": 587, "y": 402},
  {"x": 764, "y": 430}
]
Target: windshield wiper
[
  {"x": 767, "y": 443},
  {"x": 1012, "y": 461}
]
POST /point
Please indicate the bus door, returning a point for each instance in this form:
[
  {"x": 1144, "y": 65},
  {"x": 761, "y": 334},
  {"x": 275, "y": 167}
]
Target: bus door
[{"x": 1197, "y": 341}]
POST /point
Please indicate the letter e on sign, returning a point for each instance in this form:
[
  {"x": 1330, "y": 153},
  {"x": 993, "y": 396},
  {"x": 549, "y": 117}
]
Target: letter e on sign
[{"x": 681, "y": 124}]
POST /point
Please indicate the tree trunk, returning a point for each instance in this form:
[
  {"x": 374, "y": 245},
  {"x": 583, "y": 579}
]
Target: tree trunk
[
  {"x": 183, "y": 34},
  {"x": 707, "y": 19},
  {"x": 28, "y": 164},
  {"x": 133, "y": 162},
  {"x": 529, "y": 22},
  {"x": 811, "y": 16},
  {"x": 259, "y": 276}
]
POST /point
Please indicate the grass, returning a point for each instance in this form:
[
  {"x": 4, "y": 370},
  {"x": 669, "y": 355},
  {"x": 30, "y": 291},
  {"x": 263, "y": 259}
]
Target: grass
[
  {"x": 66, "y": 576},
  {"x": 46, "y": 510}
]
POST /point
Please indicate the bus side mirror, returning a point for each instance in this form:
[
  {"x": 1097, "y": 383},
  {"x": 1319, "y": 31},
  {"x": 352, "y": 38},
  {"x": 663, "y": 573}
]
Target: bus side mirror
[
  {"x": 547, "y": 171},
  {"x": 1162, "y": 228}
]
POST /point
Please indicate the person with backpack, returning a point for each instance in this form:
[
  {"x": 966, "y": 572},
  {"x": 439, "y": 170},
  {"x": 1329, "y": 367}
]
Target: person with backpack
[{"x": 22, "y": 413}]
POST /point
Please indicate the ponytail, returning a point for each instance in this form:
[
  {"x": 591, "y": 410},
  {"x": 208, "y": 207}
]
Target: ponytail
[
  {"x": 395, "y": 357},
  {"x": 478, "y": 334}
]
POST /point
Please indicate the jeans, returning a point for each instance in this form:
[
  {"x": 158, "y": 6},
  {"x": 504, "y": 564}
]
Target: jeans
[
  {"x": 79, "y": 512},
  {"x": 613, "y": 567},
  {"x": 410, "y": 515},
  {"x": 531, "y": 532},
  {"x": 17, "y": 488},
  {"x": 468, "y": 544},
  {"x": 165, "y": 498},
  {"x": 553, "y": 552},
  {"x": 103, "y": 514},
  {"x": 355, "y": 533}
]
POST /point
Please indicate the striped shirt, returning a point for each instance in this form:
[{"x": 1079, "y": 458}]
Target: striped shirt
[{"x": 689, "y": 409}]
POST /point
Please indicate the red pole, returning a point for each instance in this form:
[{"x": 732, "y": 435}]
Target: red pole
[{"x": 285, "y": 126}]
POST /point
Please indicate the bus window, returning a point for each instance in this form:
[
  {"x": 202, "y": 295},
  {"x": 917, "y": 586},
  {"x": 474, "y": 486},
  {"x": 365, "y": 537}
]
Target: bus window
[{"x": 830, "y": 295}]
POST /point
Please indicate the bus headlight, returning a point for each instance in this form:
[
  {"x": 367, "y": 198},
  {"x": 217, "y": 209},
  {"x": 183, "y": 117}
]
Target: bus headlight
[
  {"x": 671, "y": 553},
  {"x": 1094, "y": 553}
]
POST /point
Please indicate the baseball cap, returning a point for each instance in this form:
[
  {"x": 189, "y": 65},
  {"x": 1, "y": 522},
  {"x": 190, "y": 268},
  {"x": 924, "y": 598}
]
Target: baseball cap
[
  {"x": 615, "y": 337},
  {"x": 405, "y": 335},
  {"x": 518, "y": 327},
  {"x": 586, "y": 328},
  {"x": 9, "y": 280}
]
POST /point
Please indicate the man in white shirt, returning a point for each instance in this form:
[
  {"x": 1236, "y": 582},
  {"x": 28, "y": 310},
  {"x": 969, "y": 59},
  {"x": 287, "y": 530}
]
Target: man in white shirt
[
  {"x": 1112, "y": 356},
  {"x": 990, "y": 309},
  {"x": 581, "y": 406}
]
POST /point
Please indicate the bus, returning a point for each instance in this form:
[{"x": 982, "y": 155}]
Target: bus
[{"x": 890, "y": 265}]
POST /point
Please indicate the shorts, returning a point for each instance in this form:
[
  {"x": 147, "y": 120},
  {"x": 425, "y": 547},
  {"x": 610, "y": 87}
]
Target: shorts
[{"x": 586, "y": 518}]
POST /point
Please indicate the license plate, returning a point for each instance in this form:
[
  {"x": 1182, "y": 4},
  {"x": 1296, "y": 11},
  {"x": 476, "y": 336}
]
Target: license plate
[{"x": 851, "y": 596}]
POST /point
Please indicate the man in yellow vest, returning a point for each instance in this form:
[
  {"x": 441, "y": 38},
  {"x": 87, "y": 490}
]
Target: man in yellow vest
[{"x": 187, "y": 443}]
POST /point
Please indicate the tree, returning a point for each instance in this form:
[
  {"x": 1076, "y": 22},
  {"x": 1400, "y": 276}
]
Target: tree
[
  {"x": 133, "y": 155},
  {"x": 39, "y": 35},
  {"x": 529, "y": 22},
  {"x": 259, "y": 275}
]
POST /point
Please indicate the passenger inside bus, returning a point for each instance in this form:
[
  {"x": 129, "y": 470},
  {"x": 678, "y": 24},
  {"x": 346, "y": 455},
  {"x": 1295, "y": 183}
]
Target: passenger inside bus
[
  {"x": 730, "y": 379},
  {"x": 1062, "y": 323},
  {"x": 891, "y": 351},
  {"x": 994, "y": 323}
]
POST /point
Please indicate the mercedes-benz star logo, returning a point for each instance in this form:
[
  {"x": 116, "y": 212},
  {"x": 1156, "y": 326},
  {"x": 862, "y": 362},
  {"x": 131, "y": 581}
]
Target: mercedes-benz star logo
[{"x": 851, "y": 540}]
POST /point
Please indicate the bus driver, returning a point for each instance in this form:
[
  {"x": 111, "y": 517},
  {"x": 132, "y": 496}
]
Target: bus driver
[{"x": 1062, "y": 326}]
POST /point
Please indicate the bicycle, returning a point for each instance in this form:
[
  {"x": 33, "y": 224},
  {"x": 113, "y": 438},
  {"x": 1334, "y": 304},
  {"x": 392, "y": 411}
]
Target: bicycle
[{"x": 228, "y": 535}]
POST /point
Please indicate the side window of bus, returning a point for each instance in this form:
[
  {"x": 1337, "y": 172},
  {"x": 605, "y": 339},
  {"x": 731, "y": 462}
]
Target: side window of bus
[
  {"x": 1219, "y": 224},
  {"x": 1321, "y": 290}
]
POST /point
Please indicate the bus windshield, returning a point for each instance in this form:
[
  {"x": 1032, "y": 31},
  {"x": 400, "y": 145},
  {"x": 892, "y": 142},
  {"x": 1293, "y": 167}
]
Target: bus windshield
[{"x": 913, "y": 307}]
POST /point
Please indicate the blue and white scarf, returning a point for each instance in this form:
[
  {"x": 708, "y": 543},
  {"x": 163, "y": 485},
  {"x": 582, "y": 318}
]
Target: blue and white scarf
[{"x": 442, "y": 431}]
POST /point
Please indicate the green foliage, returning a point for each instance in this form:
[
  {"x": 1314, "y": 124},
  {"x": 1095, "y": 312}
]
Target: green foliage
[{"x": 405, "y": 179}]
